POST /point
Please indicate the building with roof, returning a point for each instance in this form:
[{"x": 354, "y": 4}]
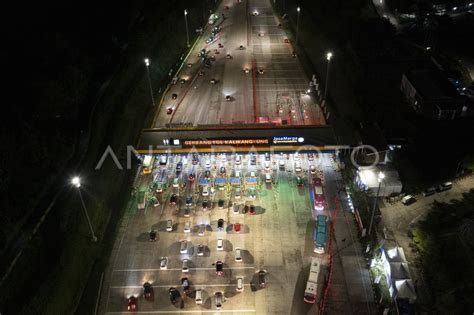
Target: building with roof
[{"x": 431, "y": 94}]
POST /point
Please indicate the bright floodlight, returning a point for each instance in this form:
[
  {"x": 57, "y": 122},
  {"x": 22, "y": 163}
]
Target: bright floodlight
[
  {"x": 147, "y": 62},
  {"x": 329, "y": 56},
  {"x": 381, "y": 176},
  {"x": 185, "y": 12},
  {"x": 76, "y": 181},
  {"x": 298, "y": 9}
]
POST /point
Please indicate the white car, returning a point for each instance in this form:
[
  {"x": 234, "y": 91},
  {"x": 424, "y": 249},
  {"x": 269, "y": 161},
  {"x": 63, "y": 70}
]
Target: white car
[
  {"x": 169, "y": 225},
  {"x": 296, "y": 157},
  {"x": 238, "y": 159},
  {"x": 252, "y": 174},
  {"x": 187, "y": 227},
  {"x": 205, "y": 191},
  {"x": 220, "y": 244},
  {"x": 175, "y": 182},
  {"x": 198, "y": 297},
  {"x": 297, "y": 167},
  {"x": 202, "y": 229},
  {"x": 164, "y": 263},
  {"x": 208, "y": 164},
  {"x": 238, "y": 256},
  {"x": 312, "y": 169},
  {"x": 240, "y": 284},
  {"x": 185, "y": 265},
  {"x": 184, "y": 247},
  {"x": 266, "y": 165}
]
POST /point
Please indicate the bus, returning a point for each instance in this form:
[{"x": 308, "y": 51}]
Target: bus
[
  {"x": 141, "y": 201},
  {"x": 312, "y": 285},
  {"x": 147, "y": 164},
  {"x": 317, "y": 194},
  {"x": 319, "y": 234}
]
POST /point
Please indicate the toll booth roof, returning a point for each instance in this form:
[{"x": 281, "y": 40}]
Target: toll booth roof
[
  {"x": 203, "y": 181},
  {"x": 235, "y": 181},
  {"x": 220, "y": 181},
  {"x": 251, "y": 180}
]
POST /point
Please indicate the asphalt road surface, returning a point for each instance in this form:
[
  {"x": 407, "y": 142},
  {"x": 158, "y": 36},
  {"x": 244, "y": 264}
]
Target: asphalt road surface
[{"x": 278, "y": 94}]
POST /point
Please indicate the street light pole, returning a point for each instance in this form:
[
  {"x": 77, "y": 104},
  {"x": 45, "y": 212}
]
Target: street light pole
[
  {"x": 328, "y": 57},
  {"x": 186, "y": 22},
  {"x": 380, "y": 178},
  {"x": 77, "y": 183},
  {"x": 147, "y": 63},
  {"x": 297, "y": 24}
]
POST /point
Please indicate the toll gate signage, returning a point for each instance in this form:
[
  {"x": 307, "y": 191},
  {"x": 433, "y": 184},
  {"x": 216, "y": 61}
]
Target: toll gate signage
[
  {"x": 226, "y": 142},
  {"x": 287, "y": 140}
]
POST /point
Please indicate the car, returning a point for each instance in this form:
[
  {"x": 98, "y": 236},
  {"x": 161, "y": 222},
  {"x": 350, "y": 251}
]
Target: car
[
  {"x": 238, "y": 254},
  {"x": 312, "y": 169},
  {"x": 246, "y": 70},
  {"x": 219, "y": 268},
  {"x": 218, "y": 297},
  {"x": 286, "y": 40},
  {"x": 236, "y": 208},
  {"x": 268, "y": 178},
  {"x": 220, "y": 45},
  {"x": 261, "y": 34},
  {"x": 255, "y": 13},
  {"x": 174, "y": 96},
  {"x": 174, "y": 295},
  {"x": 245, "y": 209},
  {"x": 299, "y": 181},
  {"x": 266, "y": 165},
  {"x": 156, "y": 202},
  {"x": 220, "y": 244},
  {"x": 237, "y": 193},
  {"x": 228, "y": 56},
  {"x": 297, "y": 167},
  {"x": 169, "y": 110},
  {"x": 220, "y": 224},
  {"x": 228, "y": 98},
  {"x": 189, "y": 65},
  {"x": 184, "y": 247},
  {"x": 147, "y": 290},
  {"x": 185, "y": 285},
  {"x": 240, "y": 284},
  {"x": 208, "y": 164},
  {"x": 429, "y": 191},
  {"x": 237, "y": 227},
  {"x": 220, "y": 203},
  {"x": 253, "y": 160},
  {"x": 189, "y": 200},
  {"x": 198, "y": 297},
  {"x": 296, "y": 157},
  {"x": 252, "y": 210},
  {"x": 202, "y": 229},
  {"x": 195, "y": 159},
  {"x": 226, "y": 7},
  {"x": 200, "y": 250},
  {"x": 175, "y": 182},
  {"x": 222, "y": 170},
  {"x": 152, "y": 236},
  {"x": 238, "y": 159},
  {"x": 261, "y": 71},
  {"x": 185, "y": 267},
  {"x": 173, "y": 199},
  {"x": 164, "y": 263},
  {"x": 267, "y": 157},
  {"x": 187, "y": 227},
  {"x": 281, "y": 165},
  {"x": 445, "y": 186},
  {"x": 252, "y": 174},
  {"x": 408, "y": 200},
  {"x": 237, "y": 174},
  {"x": 241, "y": 47},
  {"x": 187, "y": 212},
  {"x": 163, "y": 160},
  {"x": 159, "y": 188},
  {"x": 205, "y": 191},
  {"x": 179, "y": 167},
  {"x": 262, "y": 278},
  {"x": 182, "y": 81},
  {"x": 252, "y": 193},
  {"x": 207, "y": 174},
  {"x": 213, "y": 81},
  {"x": 191, "y": 177},
  {"x": 169, "y": 225},
  {"x": 132, "y": 303}
]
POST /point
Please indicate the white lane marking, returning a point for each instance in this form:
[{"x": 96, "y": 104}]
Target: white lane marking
[
  {"x": 182, "y": 312},
  {"x": 175, "y": 269}
]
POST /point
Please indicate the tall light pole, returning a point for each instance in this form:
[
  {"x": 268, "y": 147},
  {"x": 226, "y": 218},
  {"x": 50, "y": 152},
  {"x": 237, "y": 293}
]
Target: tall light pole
[
  {"x": 328, "y": 57},
  {"x": 186, "y": 22},
  {"x": 381, "y": 176},
  {"x": 147, "y": 63},
  {"x": 76, "y": 182},
  {"x": 297, "y": 24}
]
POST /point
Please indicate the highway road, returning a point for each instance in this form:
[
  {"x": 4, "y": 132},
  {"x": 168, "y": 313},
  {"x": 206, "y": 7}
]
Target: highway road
[{"x": 276, "y": 95}]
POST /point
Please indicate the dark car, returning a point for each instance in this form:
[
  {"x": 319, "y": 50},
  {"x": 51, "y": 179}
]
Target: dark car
[
  {"x": 185, "y": 285},
  {"x": 267, "y": 157},
  {"x": 207, "y": 174},
  {"x": 245, "y": 209},
  {"x": 261, "y": 279},
  {"x": 228, "y": 98},
  {"x": 220, "y": 203},
  {"x": 219, "y": 268},
  {"x": 220, "y": 224},
  {"x": 169, "y": 110},
  {"x": 182, "y": 81},
  {"x": 173, "y": 199},
  {"x": 174, "y": 295},
  {"x": 189, "y": 200},
  {"x": 132, "y": 303},
  {"x": 429, "y": 191},
  {"x": 195, "y": 160},
  {"x": 205, "y": 204},
  {"x": 147, "y": 290},
  {"x": 253, "y": 160},
  {"x": 252, "y": 210},
  {"x": 222, "y": 170},
  {"x": 152, "y": 236},
  {"x": 187, "y": 212},
  {"x": 299, "y": 181},
  {"x": 179, "y": 168},
  {"x": 174, "y": 96}
]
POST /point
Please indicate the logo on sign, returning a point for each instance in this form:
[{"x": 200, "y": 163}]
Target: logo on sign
[{"x": 286, "y": 139}]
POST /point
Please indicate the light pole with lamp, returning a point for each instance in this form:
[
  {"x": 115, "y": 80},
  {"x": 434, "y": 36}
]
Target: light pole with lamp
[
  {"x": 76, "y": 181},
  {"x": 381, "y": 176},
  {"x": 147, "y": 63},
  {"x": 186, "y": 22},
  {"x": 297, "y": 24},
  {"x": 328, "y": 57}
]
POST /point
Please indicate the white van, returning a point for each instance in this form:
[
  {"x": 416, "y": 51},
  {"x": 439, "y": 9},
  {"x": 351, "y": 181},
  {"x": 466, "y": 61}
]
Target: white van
[
  {"x": 163, "y": 160},
  {"x": 220, "y": 244},
  {"x": 198, "y": 297},
  {"x": 205, "y": 190},
  {"x": 238, "y": 256},
  {"x": 281, "y": 165}
]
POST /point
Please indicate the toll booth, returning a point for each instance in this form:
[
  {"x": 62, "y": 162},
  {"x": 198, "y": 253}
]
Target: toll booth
[
  {"x": 251, "y": 181},
  {"x": 235, "y": 181},
  {"x": 220, "y": 183},
  {"x": 203, "y": 181}
]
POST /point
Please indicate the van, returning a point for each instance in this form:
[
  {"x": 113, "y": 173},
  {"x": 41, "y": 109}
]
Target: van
[
  {"x": 268, "y": 178},
  {"x": 163, "y": 160},
  {"x": 169, "y": 225},
  {"x": 198, "y": 297},
  {"x": 445, "y": 186},
  {"x": 185, "y": 265},
  {"x": 184, "y": 247},
  {"x": 297, "y": 167},
  {"x": 220, "y": 244},
  {"x": 240, "y": 284},
  {"x": 281, "y": 164},
  {"x": 218, "y": 300}
]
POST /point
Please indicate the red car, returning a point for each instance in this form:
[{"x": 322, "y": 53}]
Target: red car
[
  {"x": 191, "y": 177},
  {"x": 237, "y": 227},
  {"x": 252, "y": 210},
  {"x": 169, "y": 110},
  {"x": 132, "y": 303}
]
